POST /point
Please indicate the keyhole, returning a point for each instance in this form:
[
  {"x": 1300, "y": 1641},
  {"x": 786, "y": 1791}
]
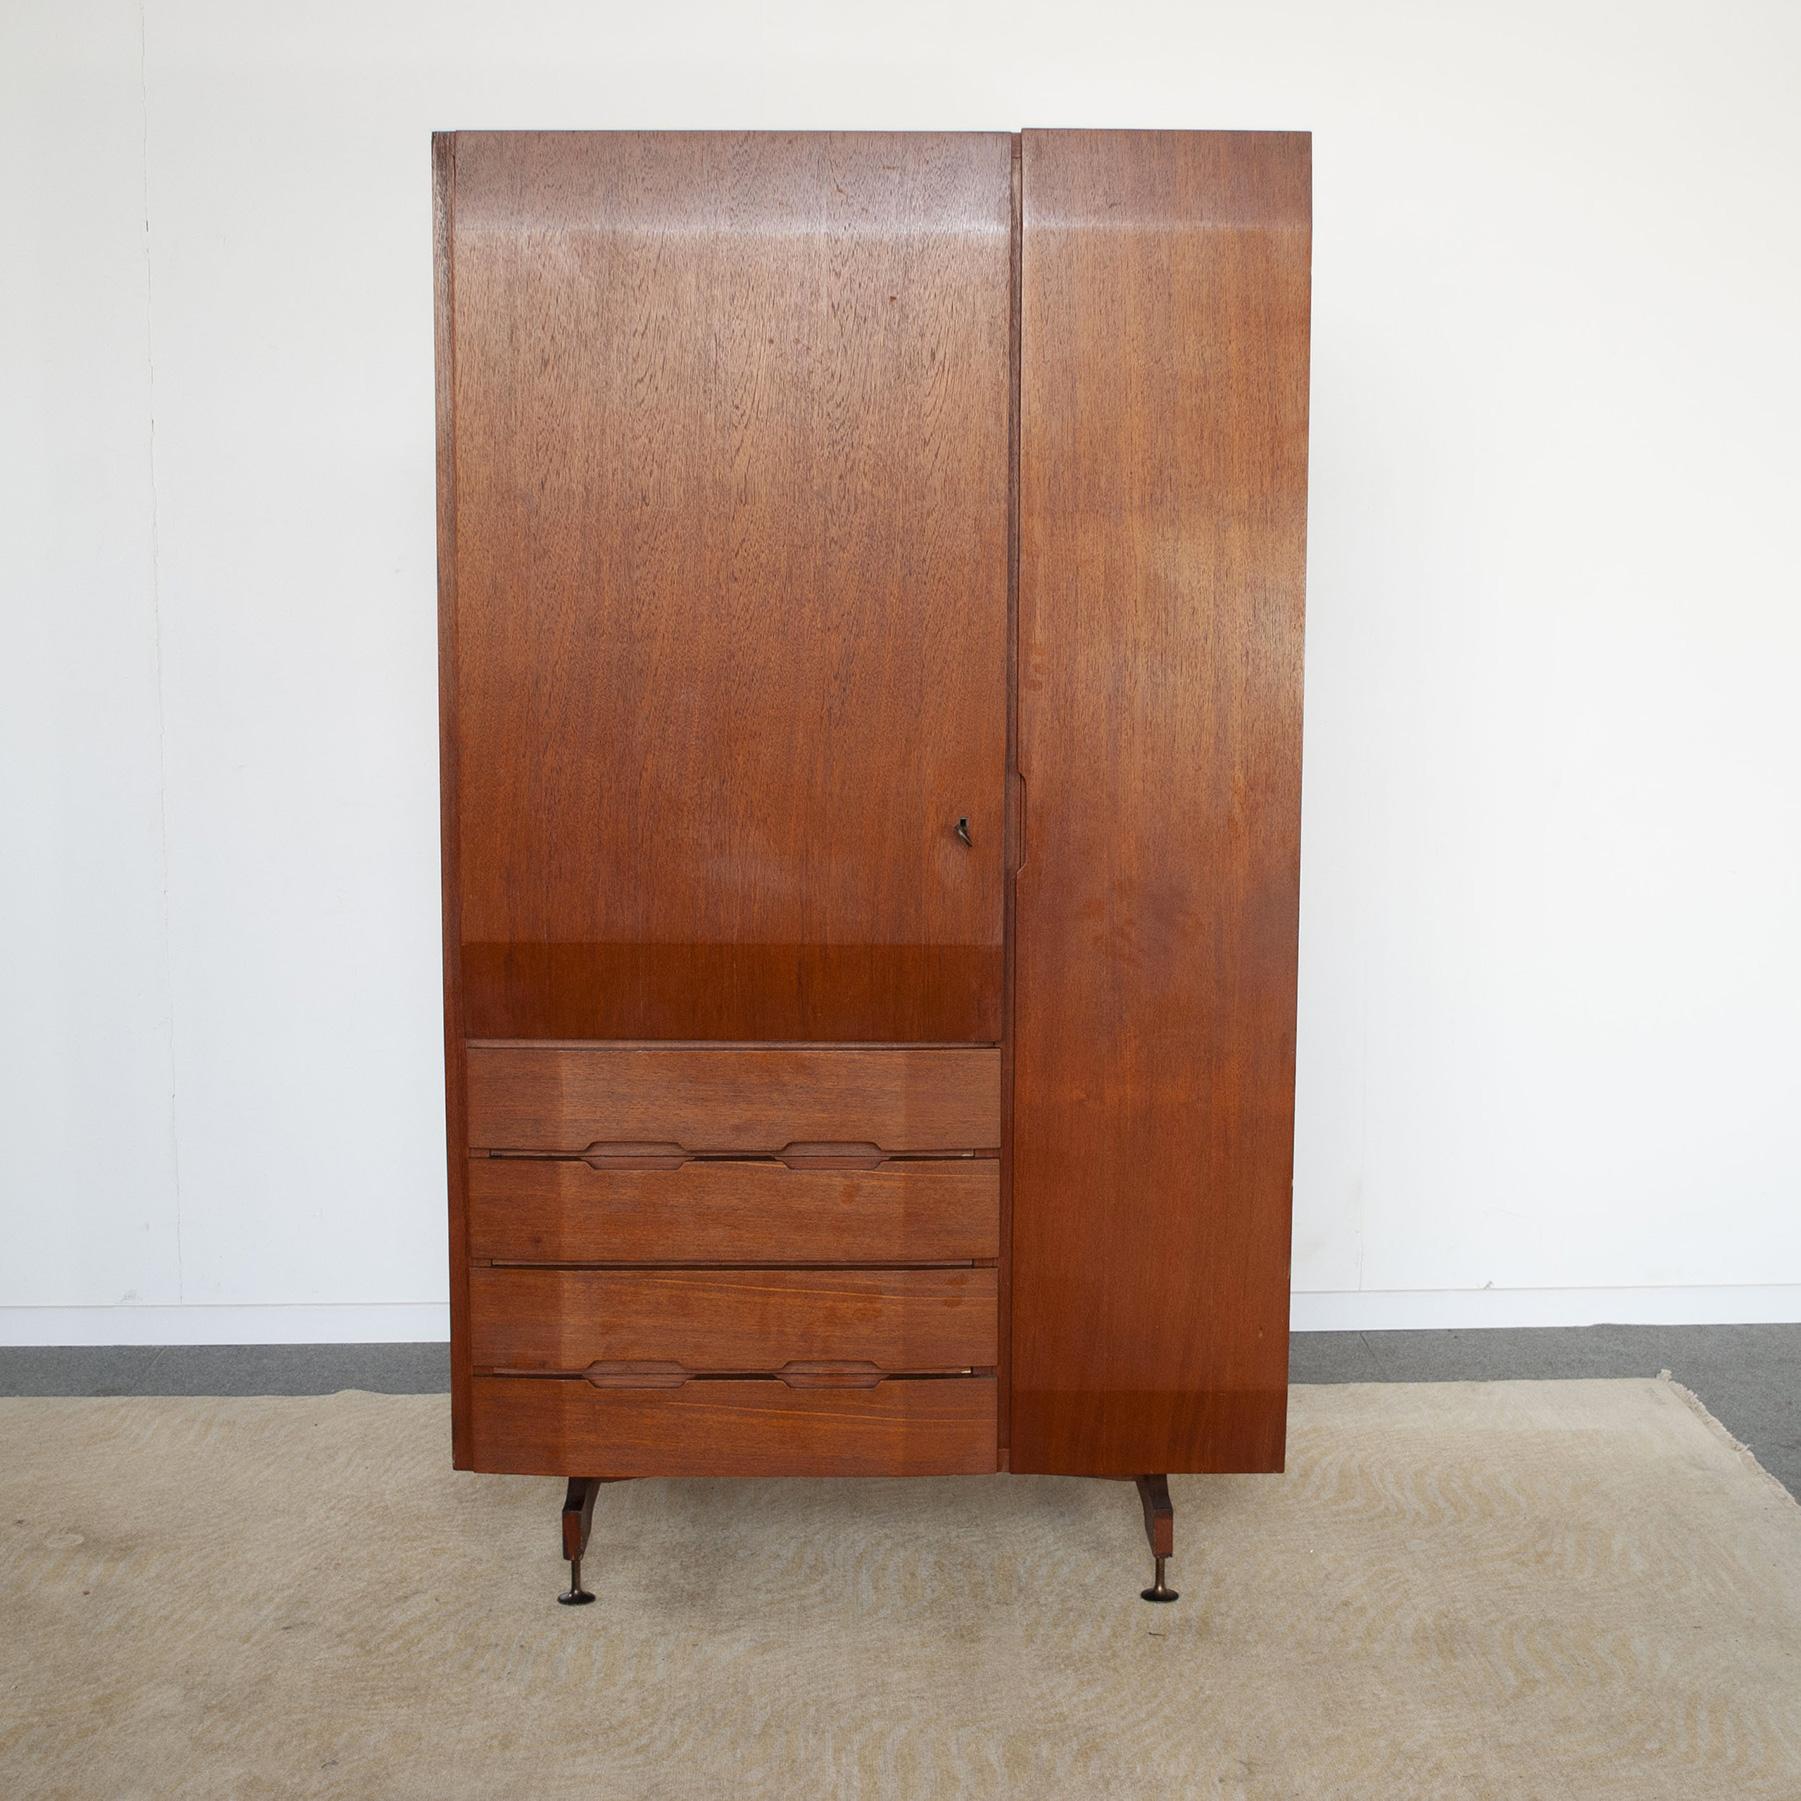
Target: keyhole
[{"x": 963, "y": 833}]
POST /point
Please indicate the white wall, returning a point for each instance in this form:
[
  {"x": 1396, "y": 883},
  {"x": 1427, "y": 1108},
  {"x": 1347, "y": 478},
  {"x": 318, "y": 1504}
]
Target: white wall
[{"x": 1550, "y": 1060}]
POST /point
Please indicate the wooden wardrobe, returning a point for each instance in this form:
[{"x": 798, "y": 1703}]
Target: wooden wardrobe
[{"x": 871, "y": 574}]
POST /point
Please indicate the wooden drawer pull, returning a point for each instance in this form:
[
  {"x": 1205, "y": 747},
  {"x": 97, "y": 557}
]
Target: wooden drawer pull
[
  {"x": 644, "y": 1373},
  {"x": 633, "y": 1156},
  {"x": 831, "y": 1375},
  {"x": 831, "y": 1156},
  {"x": 613, "y": 1154},
  {"x": 651, "y": 1373}
]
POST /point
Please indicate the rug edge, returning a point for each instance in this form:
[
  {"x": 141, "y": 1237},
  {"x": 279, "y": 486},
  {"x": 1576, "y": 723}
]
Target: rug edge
[{"x": 1736, "y": 1445}]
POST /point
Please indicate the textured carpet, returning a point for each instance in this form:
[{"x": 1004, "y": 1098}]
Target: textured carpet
[{"x": 1546, "y": 1589}]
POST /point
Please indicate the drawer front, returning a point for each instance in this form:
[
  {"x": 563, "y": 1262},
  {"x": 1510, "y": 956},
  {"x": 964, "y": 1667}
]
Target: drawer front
[
  {"x": 939, "y": 1210},
  {"x": 569, "y": 1100},
  {"x": 551, "y": 1426},
  {"x": 733, "y": 1320}
]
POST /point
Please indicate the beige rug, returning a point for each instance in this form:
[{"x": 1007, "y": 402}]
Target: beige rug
[{"x": 1576, "y": 1589}]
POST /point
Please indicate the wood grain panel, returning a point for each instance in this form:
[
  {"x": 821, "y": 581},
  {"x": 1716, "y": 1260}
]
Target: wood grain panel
[
  {"x": 549, "y": 1426},
  {"x": 762, "y": 1100},
  {"x": 731, "y": 470},
  {"x": 732, "y": 1319},
  {"x": 443, "y": 168},
  {"x": 1164, "y": 328},
  {"x": 939, "y": 1210}
]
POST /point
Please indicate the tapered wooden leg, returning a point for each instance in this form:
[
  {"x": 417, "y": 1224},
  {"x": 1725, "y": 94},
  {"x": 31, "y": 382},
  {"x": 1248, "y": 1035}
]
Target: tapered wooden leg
[
  {"x": 578, "y": 1522},
  {"x": 1160, "y": 1529}
]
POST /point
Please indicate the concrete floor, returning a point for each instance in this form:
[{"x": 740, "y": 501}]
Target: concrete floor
[{"x": 1749, "y": 1376}]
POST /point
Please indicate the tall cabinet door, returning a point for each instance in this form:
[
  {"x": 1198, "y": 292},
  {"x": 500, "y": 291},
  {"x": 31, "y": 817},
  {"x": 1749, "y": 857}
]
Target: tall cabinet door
[
  {"x": 1162, "y": 497},
  {"x": 728, "y": 532}
]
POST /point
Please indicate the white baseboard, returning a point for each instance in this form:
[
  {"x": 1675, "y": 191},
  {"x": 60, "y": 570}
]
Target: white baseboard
[
  {"x": 1422, "y": 1309},
  {"x": 396, "y": 1322},
  {"x": 384, "y": 1322}
]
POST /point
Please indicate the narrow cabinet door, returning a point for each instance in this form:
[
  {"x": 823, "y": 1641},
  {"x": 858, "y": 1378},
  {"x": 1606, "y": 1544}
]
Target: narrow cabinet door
[
  {"x": 730, "y": 417},
  {"x": 1163, "y": 446}
]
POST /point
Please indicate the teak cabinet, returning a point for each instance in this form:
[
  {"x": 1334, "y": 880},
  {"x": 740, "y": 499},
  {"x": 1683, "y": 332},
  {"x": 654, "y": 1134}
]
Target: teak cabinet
[{"x": 871, "y": 573}]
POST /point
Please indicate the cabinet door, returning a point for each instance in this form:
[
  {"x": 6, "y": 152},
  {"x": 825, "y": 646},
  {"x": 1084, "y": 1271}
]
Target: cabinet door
[
  {"x": 727, "y": 658},
  {"x": 1163, "y": 447}
]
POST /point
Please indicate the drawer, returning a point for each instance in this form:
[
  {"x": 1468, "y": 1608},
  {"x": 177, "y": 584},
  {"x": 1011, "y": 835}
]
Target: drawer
[
  {"x": 733, "y": 1320},
  {"x": 933, "y": 1210},
  {"x": 562, "y": 1426},
  {"x": 686, "y": 1100}
]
